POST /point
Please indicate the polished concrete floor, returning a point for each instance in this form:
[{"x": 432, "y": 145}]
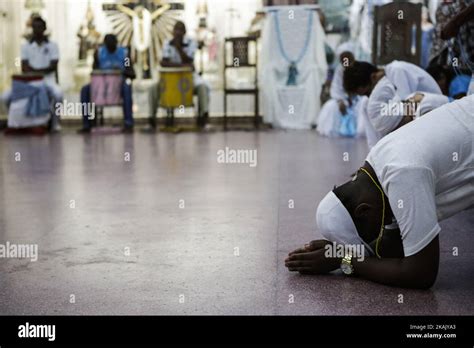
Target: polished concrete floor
[{"x": 172, "y": 231}]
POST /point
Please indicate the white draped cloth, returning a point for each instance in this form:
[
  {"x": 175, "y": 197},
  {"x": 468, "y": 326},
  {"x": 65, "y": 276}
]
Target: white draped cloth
[
  {"x": 295, "y": 106},
  {"x": 361, "y": 23}
]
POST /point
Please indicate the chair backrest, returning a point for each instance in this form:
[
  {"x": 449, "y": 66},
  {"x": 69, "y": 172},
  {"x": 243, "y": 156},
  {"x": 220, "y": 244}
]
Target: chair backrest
[
  {"x": 397, "y": 33},
  {"x": 240, "y": 52}
]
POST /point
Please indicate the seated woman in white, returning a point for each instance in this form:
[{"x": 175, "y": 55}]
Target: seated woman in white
[{"x": 340, "y": 105}]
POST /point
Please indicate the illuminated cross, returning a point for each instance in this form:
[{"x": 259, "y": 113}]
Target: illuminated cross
[{"x": 150, "y": 5}]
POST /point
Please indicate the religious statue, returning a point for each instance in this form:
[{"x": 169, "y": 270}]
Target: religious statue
[
  {"x": 35, "y": 6},
  {"x": 201, "y": 32},
  {"x": 89, "y": 37},
  {"x": 202, "y": 14},
  {"x": 143, "y": 25},
  {"x": 232, "y": 17}
]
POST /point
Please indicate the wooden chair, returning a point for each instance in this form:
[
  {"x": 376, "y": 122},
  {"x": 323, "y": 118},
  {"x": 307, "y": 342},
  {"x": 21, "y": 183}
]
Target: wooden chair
[
  {"x": 397, "y": 33},
  {"x": 239, "y": 47}
]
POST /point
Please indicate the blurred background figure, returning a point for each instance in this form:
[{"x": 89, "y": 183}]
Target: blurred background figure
[{"x": 110, "y": 56}]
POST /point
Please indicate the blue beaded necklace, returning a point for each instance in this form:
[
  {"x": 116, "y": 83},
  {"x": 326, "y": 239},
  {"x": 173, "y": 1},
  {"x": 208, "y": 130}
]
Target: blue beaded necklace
[{"x": 293, "y": 69}]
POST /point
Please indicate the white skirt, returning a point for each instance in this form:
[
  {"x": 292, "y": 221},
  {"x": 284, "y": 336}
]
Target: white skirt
[{"x": 329, "y": 119}]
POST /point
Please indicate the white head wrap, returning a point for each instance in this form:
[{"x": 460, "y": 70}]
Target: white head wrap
[
  {"x": 345, "y": 47},
  {"x": 335, "y": 223},
  {"x": 430, "y": 102}
]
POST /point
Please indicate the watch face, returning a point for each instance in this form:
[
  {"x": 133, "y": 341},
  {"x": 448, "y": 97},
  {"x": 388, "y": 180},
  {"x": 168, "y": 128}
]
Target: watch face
[{"x": 347, "y": 269}]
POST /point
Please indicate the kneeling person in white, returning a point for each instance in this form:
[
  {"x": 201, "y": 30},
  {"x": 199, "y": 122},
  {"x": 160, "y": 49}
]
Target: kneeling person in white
[
  {"x": 336, "y": 108},
  {"x": 387, "y": 89},
  {"x": 413, "y": 178}
]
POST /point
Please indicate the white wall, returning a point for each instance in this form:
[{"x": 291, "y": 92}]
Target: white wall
[
  {"x": 9, "y": 39},
  {"x": 219, "y": 15}
]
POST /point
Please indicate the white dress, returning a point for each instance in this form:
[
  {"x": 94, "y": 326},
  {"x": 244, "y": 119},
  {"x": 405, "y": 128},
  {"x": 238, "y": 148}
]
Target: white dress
[{"x": 361, "y": 24}]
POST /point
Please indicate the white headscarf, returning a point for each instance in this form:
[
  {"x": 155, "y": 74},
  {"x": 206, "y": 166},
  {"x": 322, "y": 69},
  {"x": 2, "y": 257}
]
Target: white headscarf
[
  {"x": 347, "y": 46},
  {"x": 335, "y": 223},
  {"x": 337, "y": 89},
  {"x": 430, "y": 102}
]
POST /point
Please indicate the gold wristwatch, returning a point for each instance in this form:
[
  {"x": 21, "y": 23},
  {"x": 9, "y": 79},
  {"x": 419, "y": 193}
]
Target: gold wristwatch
[{"x": 346, "y": 265}]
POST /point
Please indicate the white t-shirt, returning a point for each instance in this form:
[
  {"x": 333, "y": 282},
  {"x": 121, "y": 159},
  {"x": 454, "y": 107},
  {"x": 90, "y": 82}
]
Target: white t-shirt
[
  {"x": 40, "y": 56},
  {"x": 426, "y": 168},
  {"x": 371, "y": 134},
  {"x": 383, "y": 119}
]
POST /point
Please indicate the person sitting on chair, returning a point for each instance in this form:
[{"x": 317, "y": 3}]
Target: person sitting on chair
[
  {"x": 179, "y": 52},
  {"x": 41, "y": 55},
  {"x": 110, "y": 56}
]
